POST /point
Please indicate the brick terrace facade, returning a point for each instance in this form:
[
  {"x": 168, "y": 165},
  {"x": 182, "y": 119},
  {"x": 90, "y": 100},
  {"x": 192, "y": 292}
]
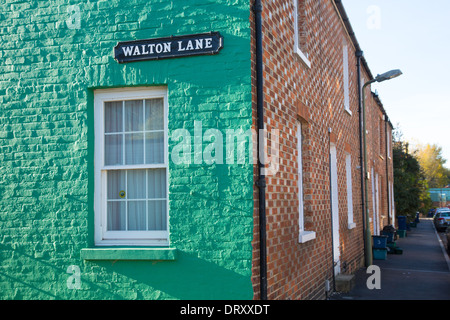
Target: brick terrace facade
[{"x": 311, "y": 93}]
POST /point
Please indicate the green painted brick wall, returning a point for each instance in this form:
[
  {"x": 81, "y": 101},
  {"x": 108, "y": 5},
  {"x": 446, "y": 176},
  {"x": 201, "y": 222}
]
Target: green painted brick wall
[{"x": 53, "y": 55}]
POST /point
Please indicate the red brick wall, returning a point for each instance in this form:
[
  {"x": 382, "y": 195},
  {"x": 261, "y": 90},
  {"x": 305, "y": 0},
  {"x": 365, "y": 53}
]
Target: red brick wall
[{"x": 315, "y": 96}]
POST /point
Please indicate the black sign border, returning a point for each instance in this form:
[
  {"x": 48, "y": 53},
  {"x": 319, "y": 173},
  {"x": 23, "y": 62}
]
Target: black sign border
[{"x": 171, "y": 38}]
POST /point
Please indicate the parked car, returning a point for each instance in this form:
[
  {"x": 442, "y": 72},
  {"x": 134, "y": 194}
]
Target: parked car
[
  {"x": 439, "y": 210},
  {"x": 442, "y": 219}
]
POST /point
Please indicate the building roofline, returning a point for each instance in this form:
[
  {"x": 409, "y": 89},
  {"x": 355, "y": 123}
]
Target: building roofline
[
  {"x": 346, "y": 21},
  {"x": 380, "y": 105}
]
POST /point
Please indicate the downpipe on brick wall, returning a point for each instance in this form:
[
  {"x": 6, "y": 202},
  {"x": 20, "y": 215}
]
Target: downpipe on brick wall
[{"x": 261, "y": 183}]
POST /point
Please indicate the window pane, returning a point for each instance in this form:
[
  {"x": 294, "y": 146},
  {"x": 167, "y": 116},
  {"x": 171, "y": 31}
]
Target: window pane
[
  {"x": 154, "y": 147},
  {"x": 116, "y": 216},
  {"x": 116, "y": 184},
  {"x": 113, "y": 116},
  {"x": 113, "y": 149},
  {"x": 134, "y": 115},
  {"x": 154, "y": 114},
  {"x": 136, "y": 184},
  {"x": 134, "y": 148},
  {"x": 157, "y": 183},
  {"x": 136, "y": 215},
  {"x": 157, "y": 215}
]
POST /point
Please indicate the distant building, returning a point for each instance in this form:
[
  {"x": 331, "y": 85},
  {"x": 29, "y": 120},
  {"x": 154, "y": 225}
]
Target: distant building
[{"x": 440, "y": 197}]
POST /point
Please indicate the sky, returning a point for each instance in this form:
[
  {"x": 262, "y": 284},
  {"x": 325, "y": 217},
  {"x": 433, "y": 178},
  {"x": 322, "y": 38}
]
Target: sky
[{"x": 413, "y": 36}]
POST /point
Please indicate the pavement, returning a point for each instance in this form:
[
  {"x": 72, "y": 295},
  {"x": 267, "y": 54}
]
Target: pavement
[{"x": 421, "y": 272}]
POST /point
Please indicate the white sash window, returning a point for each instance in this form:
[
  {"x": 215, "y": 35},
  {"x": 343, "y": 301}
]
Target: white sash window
[{"x": 131, "y": 202}]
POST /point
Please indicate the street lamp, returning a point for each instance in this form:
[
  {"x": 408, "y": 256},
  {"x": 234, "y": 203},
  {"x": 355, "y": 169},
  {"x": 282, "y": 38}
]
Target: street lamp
[
  {"x": 368, "y": 237},
  {"x": 387, "y": 76}
]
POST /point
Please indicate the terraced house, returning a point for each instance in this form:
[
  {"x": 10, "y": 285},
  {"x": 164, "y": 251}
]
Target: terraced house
[{"x": 191, "y": 149}]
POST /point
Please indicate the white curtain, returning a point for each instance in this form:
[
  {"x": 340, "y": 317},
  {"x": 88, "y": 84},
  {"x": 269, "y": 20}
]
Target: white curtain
[
  {"x": 113, "y": 133},
  {"x": 157, "y": 198},
  {"x": 154, "y": 124},
  {"x": 136, "y": 197},
  {"x": 134, "y": 135}
]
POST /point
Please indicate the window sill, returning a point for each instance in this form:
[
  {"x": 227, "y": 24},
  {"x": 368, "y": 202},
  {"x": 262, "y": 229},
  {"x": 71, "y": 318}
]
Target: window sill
[
  {"x": 306, "y": 236},
  {"x": 349, "y": 112},
  {"x": 352, "y": 225},
  {"x": 161, "y": 254},
  {"x": 303, "y": 57}
]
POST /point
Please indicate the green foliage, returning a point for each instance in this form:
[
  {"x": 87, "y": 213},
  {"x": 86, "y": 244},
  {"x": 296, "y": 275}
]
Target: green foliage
[
  {"x": 432, "y": 162},
  {"x": 410, "y": 187}
]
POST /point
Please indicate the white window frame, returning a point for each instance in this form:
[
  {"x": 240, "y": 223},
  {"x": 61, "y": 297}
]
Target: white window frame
[
  {"x": 125, "y": 238},
  {"x": 334, "y": 185},
  {"x": 304, "y": 235},
  {"x": 297, "y": 49},
  {"x": 389, "y": 141},
  {"x": 346, "y": 79},
  {"x": 392, "y": 202},
  {"x": 348, "y": 168},
  {"x": 377, "y": 216}
]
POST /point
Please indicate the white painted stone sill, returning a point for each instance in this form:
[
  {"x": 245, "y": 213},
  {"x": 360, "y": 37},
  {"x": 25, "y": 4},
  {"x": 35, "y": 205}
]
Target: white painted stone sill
[{"x": 306, "y": 236}]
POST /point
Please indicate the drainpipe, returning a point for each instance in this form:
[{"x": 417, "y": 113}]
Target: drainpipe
[
  {"x": 359, "y": 55},
  {"x": 261, "y": 183}
]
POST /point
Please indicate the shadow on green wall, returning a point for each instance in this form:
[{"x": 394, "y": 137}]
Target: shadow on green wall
[
  {"x": 36, "y": 276},
  {"x": 187, "y": 278}
]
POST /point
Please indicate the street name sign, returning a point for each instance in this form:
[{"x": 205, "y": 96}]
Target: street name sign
[{"x": 169, "y": 47}]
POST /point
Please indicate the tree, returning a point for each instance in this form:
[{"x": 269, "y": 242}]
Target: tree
[
  {"x": 410, "y": 186},
  {"x": 432, "y": 162}
]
